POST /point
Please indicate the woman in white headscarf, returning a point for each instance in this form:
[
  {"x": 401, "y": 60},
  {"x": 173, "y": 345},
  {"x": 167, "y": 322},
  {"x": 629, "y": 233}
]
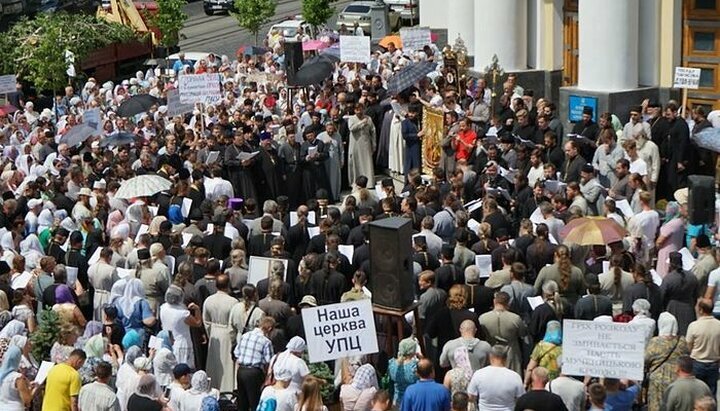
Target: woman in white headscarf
[
  {"x": 31, "y": 249},
  {"x": 127, "y": 377},
  {"x": 661, "y": 356},
  {"x": 641, "y": 309},
  {"x": 177, "y": 319},
  {"x": 24, "y": 164},
  {"x": 45, "y": 220},
  {"x": 358, "y": 395},
  {"x": 8, "y": 242},
  {"x": 291, "y": 359},
  {"x": 133, "y": 308},
  {"x": 164, "y": 360},
  {"x": 199, "y": 389}
]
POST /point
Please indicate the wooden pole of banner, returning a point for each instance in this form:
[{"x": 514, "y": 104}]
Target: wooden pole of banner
[
  {"x": 683, "y": 108},
  {"x": 202, "y": 119}
]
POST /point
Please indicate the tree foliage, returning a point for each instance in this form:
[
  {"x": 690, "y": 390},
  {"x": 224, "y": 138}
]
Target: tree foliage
[
  {"x": 253, "y": 14},
  {"x": 317, "y": 12},
  {"x": 170, "y": 18},
  {"x": 34, "y": 49},
  {"x": 45, "y": 335}
]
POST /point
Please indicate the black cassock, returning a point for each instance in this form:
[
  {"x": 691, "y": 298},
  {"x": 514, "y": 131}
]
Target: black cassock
[
  {"x": 313, "y": 170},
  {"x": 291, "y": 172},
  {"x": 241, "y": 177},
  {"x": 269, "y": 166}
]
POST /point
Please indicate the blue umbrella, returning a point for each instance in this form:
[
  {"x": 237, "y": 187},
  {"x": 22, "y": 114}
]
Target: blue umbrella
[
  {"x": 708, "y": 138},
  {"x": 407, "y": 76},
  {"x": 77, "y": 135},
  {"x": 119, "y": 139}
]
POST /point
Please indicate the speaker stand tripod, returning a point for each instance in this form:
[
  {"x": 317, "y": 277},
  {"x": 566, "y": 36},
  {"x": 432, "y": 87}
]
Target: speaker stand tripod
[{"x": 398, "y": 317}]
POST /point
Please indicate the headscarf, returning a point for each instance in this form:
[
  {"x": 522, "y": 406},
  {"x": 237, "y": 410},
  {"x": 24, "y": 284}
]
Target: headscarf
[
  {"x": 45, "y": 220},
  {"x": 154, "y": 228},
  {"x": 199, "y": 383},
  {"x": 296, "y": 344},
  {"x": 672, "y": 211},
  {"x": 113, "y": 219},
  {"x": 92, "y": 329},
  {"x": 19, "y": 341},
  {"x": 641, "y": 306},
  {"x": 31, "y": 249},
  {"x": 22, "y": 164},
  {"x": 175, "y": 215},
  {"x": 117, "y": 290},
  {"x": 210, "y": 403},
  {"x": 120, "y": 231},
  {"x": 68, "y": 224},
  {"x": 14, "y": 327},
  {"x": 462, "y": 361},
  {"x": 134, "y": 292},
  {"x": 11, "y": 362},
  {"x": 6, "y": 241},
  {"x": 174, "y": 295},
  {"x": 365, "y": 377},
  {"x": 667, "y": 325},
  {"x": 407, "y": 347},
  {"x": 131, "y": 354},
  {"x": 63, "y": 294},
  {"x": 95, "y": 346},
  {"x": 148, "y": 387},
  {"x": 142, "y": 363},
  {"x": 553, "y": 333},
  {"x": 164, "y": 337},
  {"x": 131, "y": 339}
]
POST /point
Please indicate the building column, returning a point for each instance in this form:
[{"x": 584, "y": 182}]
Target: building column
[
  {"x": 461, "y": 22},
  {"x": 500, "y": 28},
  {"x": 545, "y": 34},
  {"x": 649, "y": 53},
  {"x": 671, "y": 39},
  {"x": 608, "y": 45},
  {"x": 433, "y": 14}
]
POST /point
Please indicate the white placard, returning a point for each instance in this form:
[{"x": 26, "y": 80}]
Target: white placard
[
  {"x": 347, "y": 250},
  {"x": 72, "y": 275},
  {"x": 415, "y": 38},
  {"x": 261, "y": 267},
  {"x": 175, "y": 107},
  {"x": 686, "y": 77},
  {"x": 484, "y": 263},
  {"x": 200, "y": 88},
  {"x": 355, "y": 49},
  {"x": 7, "y": 84},
  {"x": 125, "y": 272},
  {"x": 340, "y": 330},
  {"x": 43, "y": 372},
  {"x": 603, "y": 349},
  {"x": 294, "y": 218}
]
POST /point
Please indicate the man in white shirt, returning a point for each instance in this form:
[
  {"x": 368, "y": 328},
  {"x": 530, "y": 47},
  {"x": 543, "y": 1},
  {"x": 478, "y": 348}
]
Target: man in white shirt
[
  {"x": 495, "y": 387},
  {"x": 637, "y": 164},
  {"x": 635, "y": 122},
  {"x": 569, "y": 389},
  {"x": 643, "y": 228}
]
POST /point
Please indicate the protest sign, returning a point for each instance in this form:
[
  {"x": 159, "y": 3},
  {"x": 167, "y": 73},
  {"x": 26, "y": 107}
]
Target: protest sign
[
  {"x": 262, "y": 267},
  {"x": 200, "y": 88},
  {"x": 603, "y": 349},
  {"x": 175, "y": 107},
  {"x": 354, "y": 49},
  {"x": 686, "y": 77},
  {"x": 7, "y": 84},
  {"x": 339, "y": 330},
  {"x": 415, "y": 38}
]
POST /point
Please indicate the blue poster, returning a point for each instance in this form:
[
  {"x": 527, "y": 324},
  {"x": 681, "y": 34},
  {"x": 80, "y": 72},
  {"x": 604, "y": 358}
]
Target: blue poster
[{"x": 576, "y": 105}]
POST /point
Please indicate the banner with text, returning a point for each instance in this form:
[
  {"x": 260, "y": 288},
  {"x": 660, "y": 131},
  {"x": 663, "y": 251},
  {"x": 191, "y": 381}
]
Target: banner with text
[
  {"x": 175, "y": 107},
  {"x": 340, "y": 330},
  {"x": 415, "y": 38},
  {"x": 355, "y": 49},
  {"x": 7, "y": 84},
  {"x": 687, "y": 77},
  {"x": 600, "y": 349},
  {"x": 200, "y": 88}
]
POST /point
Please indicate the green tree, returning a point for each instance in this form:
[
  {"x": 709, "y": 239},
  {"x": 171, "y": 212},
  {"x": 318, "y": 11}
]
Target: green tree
[
  {"x": 34, "y": 49},
  {"x": 45, "y": 335},
  {"x": 169, "y": 19},
  {"x": 317, "y": 12},
  {"x": 253, "y": 14}
]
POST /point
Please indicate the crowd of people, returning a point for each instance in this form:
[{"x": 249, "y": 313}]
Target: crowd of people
[{"x": 147, "y": 303}]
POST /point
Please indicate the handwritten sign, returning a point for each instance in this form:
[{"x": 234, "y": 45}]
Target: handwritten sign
[
  {"x": 7, "y": 84},
  {"x": 602, "y": 349},
  {"x": 200, "y": 88},
  {"x": 355, "y": 49},
  {"x": 415, "y": 38},
  {"x": 686, "y": 77},
  {"x": 175, "y": 107},
  {"x": 340, "y": 330}
]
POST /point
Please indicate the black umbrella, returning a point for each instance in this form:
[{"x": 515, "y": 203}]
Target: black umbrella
[
  {"x": 409, "y": 75},
  {"x": 312, "y": 74},
  {"x": 119, "y": 139},
  {"x": 136, "y": 105},
  {"x": 321, "y": 58}
]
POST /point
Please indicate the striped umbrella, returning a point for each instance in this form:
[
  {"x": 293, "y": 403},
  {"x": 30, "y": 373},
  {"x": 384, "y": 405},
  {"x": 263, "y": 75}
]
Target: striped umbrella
[
  {"x": 407, "y": 76},
  {"x": 145, "y": 185},
  {"x": 592, "y": 231}
]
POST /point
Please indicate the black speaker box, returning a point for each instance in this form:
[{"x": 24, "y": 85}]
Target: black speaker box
[
  {"x": 293, "y": 60},
  {"x": 391, "y": 275},
  {"x": 701, "y": 199}
]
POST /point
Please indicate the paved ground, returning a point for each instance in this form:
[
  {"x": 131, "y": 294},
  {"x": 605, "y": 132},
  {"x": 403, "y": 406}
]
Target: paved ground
[{"x": 221, "y": 34}]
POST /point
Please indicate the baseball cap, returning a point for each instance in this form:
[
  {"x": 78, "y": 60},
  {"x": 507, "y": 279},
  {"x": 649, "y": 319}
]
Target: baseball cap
[{"x": 308, "y": 300}]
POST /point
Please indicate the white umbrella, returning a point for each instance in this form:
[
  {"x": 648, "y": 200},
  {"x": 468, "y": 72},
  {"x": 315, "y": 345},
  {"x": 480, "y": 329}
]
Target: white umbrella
[{"x": 143, "y": 186}]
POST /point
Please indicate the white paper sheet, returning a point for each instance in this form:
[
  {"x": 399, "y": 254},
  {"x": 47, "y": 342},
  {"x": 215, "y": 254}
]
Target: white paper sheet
[
  {"x": 606, "y": 266},
  {"x": 186, "y": 237},
  {"x": 656, "y": 277},
  {"x": 473, "y": 225},
  {"x": 313, "y": 231},
  {"x": 243, "y": 156},
  {"x": 43, "y": 372},
  {"x": 95, "y": 257},
  {"x": 484, "y": 263},
  {"x": 153, "y": 210},
  {"x": 72, "y": 275},
  {"x": 535, "y": 302},
  {"x": 212, "y": 157},
  {"x": 21, "y": 281},
  {"x": 155, "y": 342},
  {"x": 624, "y": 206},
  {"x": 186, "y": 204},
  {"x": 294, "y": 218},
  {"x": 347, "y": 250}
]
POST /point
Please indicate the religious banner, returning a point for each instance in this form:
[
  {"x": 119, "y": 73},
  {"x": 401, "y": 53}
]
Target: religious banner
[
  {"x": 354, "y": 49},
  {"x": 415, "y": 38},
  {"x": 603, "y": 349},
  {"x": 434, "y": 129},
  {"x": 686, "y": 77},
  {"x": 200, "y": 88},
  {"x": 339, "y": 330}
]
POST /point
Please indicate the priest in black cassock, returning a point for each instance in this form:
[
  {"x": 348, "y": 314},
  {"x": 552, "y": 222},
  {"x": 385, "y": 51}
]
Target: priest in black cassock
[
  {"x": 269, "y": 167},
  {"x": 312, "y": 161},
  {"x": 240, "y": 171}
]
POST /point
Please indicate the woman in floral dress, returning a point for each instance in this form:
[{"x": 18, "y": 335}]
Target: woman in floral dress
[{"x": 661, "y": 355}]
